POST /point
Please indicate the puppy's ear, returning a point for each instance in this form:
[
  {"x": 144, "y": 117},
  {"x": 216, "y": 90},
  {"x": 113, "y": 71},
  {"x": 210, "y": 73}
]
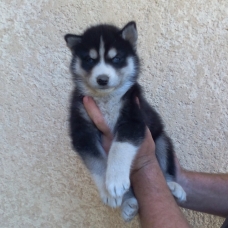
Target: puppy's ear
[
  {"x": 129, "y": 33},
  {"x": 72, "y": 40}
]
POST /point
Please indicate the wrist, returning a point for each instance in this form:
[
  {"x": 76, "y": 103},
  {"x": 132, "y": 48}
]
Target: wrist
[{"x": 181, "y": 176}]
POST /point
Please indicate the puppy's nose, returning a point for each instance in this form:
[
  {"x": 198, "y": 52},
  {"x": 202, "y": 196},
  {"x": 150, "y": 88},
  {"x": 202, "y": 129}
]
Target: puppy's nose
[{"x": 102, "y": 80}]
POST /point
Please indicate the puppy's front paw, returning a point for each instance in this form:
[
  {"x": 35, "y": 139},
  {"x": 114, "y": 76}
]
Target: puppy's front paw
[
  {"x": 117, "y": 184},
  {"x": 177, "y": 191},
  {"x": 113, "y": 202},
  {"x": 120, "y": 158}
]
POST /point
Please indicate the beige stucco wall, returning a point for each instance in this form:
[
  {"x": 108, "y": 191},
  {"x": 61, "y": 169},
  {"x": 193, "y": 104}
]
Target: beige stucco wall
[{"x": 183, "y": 46}]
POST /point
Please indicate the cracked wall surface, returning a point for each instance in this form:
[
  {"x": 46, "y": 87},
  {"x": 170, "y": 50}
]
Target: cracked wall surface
[{"x": 183, "y": 47}]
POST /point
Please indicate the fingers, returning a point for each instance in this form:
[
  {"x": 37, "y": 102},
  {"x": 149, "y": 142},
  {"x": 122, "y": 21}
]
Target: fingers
[
  {"x": 96, "y": 115},
  {"x": 146, "y": 154},
  {"x": 148, "y": 143}
]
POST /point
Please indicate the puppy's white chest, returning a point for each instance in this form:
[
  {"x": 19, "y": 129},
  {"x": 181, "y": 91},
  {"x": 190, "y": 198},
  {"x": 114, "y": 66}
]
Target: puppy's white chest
[{"x": 110, "y": 109}]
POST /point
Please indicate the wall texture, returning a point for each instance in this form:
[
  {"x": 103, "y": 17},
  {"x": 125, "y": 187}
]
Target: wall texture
[{"x": 183, "y": 46}]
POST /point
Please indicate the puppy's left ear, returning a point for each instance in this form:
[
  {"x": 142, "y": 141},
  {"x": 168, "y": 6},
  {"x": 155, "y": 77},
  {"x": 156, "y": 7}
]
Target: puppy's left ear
[{"x": 129, "y": 33}]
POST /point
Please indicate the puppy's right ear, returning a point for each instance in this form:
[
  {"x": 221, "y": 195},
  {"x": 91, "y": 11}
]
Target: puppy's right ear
[
  {"x": 129, "y": 33},
  {"x": 72, "y": 40}
]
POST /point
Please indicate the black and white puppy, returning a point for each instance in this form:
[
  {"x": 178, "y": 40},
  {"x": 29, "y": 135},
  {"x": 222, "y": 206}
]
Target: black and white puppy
[{"x": 105, "y": 66}]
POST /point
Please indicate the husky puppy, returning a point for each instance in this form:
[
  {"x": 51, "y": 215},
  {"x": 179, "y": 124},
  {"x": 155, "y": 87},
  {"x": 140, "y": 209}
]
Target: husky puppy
[{"x": 105, "y": 66}]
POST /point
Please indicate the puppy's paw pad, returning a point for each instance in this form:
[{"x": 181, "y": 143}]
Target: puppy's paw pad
[
  {"x": 129, "y": 209},
  {"x": 177, "y": 191}
]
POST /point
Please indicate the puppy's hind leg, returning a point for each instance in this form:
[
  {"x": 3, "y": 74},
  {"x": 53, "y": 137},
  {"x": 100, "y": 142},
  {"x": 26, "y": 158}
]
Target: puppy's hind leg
[
  {"x": 177, "y": 191},
  {"x": 129, "y": 207}
]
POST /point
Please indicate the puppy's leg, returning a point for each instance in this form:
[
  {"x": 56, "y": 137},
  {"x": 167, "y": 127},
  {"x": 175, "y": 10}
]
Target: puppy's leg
[
  {"x": 177, "y": 191},
  {"x": 129, "y": 207},
  {"x": 97, "y": 167},
  {"x": 86, "y": 141},
  {"x": 120, "y": 158},
  {"x": 106, "y": 198},
  {"x": 165, "y": 156}
]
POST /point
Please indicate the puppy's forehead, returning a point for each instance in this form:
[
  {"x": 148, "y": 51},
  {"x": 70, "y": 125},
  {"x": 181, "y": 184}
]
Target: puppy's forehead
[
  {"x": 101, "y": 47},
  {"x": 103, "y": 42},
  {"x": 92, "y": 36},
  {"x": 102, "y": 50}
]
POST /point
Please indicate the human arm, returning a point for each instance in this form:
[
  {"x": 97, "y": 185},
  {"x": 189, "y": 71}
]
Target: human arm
[
  {"x": 157, "y": 207},
  {"x": 205, "y": 192}
]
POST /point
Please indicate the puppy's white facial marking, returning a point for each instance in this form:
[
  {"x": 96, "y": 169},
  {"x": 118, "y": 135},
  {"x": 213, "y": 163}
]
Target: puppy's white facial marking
[
  {"x": 77, "y": 69},
  {"x": 128, "y": 70},
  {"x": 120, "y": 158},
  {"x": 102, "y": 49},
  {"x": 103, "y": 69},
  {"x": 112, "y": 53},
  {"x": 93, "y": 54}
]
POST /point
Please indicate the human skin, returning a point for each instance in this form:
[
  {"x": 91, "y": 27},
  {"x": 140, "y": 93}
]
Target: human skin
[
  {"x": 157, "y": 207},
  {"x": 205, "y": 192}
]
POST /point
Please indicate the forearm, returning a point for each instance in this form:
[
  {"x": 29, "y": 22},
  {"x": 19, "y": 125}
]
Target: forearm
[
  {"x": 205, "y": 192},
  {"x": 157, "y": 207}
]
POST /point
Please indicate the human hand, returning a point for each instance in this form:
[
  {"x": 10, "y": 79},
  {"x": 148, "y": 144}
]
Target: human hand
[
  {"x": 98, "y": 119},
  {"x": 146, "y": 153}
]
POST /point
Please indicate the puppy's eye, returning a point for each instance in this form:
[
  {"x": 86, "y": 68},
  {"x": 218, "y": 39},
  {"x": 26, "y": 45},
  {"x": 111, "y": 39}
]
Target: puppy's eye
[
  {"x": 116, "y": 59},
  {"x": 89, "y": 60}
]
